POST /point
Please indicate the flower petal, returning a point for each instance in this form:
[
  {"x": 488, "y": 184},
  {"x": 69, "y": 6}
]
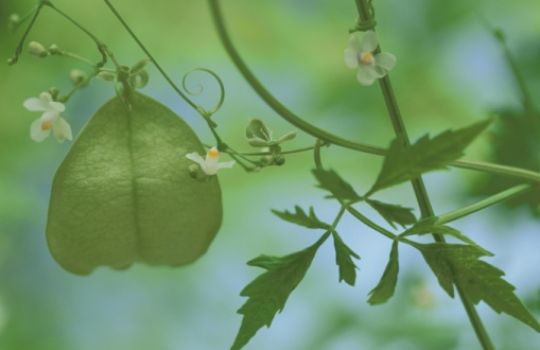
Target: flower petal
[
  {"x": 355, "y": 42},
  {"x": 351, "y": 58},
  {"x": 369, "y": 41},
  {"x": 196, "y": 158},
  {"x": 226, "y": 165},
  {"x": 367, "y": 75},
  {"x": 62, "y": 130},
  {"x": 35, "y": 105},
  {"x": 37, "y": 133},
  {"x": 45, "y": 97},
  {"x": 385, "y": 60},
  {"x": 57, "y": 107}
]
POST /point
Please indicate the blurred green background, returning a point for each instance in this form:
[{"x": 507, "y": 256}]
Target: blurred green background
[{"x": 450, "y": 73}]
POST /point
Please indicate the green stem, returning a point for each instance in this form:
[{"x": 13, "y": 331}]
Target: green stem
[
  {"x": 102, "y": 48},
  {"x": 418, "y": 184},
  {"x": 485, "y": 203},
  {"x": 151, "y": 57},
  {"x": 20, "y": 46},
  {"x": 316, "y": 132}
]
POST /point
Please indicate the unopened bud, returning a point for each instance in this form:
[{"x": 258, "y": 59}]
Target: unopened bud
[
  {"x": 77, "y": 76},
  {"x": 54, "y": 50},
  {"x": 13, "y": 21},
  {"x": 107, "y": 76},
  {"x": 37, "y": 49},
  {"x": 11, "y": 61},
  {"x": 54, "y": 92}
]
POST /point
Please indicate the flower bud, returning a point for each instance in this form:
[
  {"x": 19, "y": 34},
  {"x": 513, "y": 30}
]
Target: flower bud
[
  {"x": 54, "y": 92},
  {"x": 13, "y": 21},
  {"x": 37, "y": 49},
  {"x": 54, "y": 50},
  {"x": 77, "y": 76},
  {"x": 107, "y": 76},
  {"x": 11, "y": 61}
]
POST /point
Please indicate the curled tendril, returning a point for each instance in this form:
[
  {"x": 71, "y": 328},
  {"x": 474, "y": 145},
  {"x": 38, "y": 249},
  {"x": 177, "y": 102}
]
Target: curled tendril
[{"x": 199, "y": 89}]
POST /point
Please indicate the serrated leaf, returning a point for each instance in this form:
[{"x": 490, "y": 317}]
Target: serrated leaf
[
  {"x": 393, "y": 213},
  {"x": 124, "y": 193},
  {"x": 404, "y": 163},
  {"x": 269, "y": 292},
  {"x": 300, "y": 217},
  {"x": 431, "y": 227},
  {"x": 387, "y": 284},
  {"x": 344, "y": 260},
  {"x": 479, "y": 280},
  {"x": 329, "y": 180}
]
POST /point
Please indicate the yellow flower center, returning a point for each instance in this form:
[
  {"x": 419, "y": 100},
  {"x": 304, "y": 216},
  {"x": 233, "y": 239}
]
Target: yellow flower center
[
  {"x": 213, "y": 153},
  {"x": 367, "y": 57},
  {"x": 47, "y": 125}
]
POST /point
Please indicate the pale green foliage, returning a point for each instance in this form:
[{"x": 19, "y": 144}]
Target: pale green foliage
[
  {"x": 392, "y": 213},
  {"x": 480, "y": 281},
  {"x": 124, "y": 193},
  {"x": 404, "y": 163},
  {"x": 300, "y": 217},
  {"x": 344, "y": 260},
  {"x": 329, "y": 180},
  {"x": 269, "y": 292},
  {"x": 387, "y": 285}
]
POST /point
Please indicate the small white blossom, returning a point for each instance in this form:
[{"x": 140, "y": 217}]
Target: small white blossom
[
  {"x": 210, "y": 165},
  {"x": 360, "y": 55},
  {"x": 49, "y": 120}
]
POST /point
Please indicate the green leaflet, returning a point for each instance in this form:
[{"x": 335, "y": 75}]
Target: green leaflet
[
  {"x": 300, "y": 217},
  {"x": 479, "y": 280},
  {"x": 269, "y": 292},
  {"x": 124, "y": 194},
  {"x": 387, "y": 285},
  {"x": 430, "y": 226},
  {"x": 344, "y": 260},
  {"x": 404, "y": 163},
  {"x": 393, "y": 213},
  {"x": 329, "y": 180}
]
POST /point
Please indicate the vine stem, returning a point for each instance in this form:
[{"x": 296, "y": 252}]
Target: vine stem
[
  {"x": 365, "y": 15},
  {"x": 316, "y": 132},
  {"x": 485, "y": 203}
]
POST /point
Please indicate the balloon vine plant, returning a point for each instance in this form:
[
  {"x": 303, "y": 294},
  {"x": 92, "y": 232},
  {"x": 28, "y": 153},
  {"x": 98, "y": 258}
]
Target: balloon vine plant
[{"x": 126, "y": 192}]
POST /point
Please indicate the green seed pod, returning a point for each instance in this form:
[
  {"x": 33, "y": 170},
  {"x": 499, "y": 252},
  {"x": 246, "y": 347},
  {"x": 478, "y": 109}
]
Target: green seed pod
[{"x": 124, "y": 192}]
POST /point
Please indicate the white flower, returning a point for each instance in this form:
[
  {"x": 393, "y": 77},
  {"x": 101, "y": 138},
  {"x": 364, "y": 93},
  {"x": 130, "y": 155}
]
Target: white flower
[
  {"x": 360, "y": 55},
  {"x": 210, "y": 165},
  {"x": 49, "y": 120}
]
